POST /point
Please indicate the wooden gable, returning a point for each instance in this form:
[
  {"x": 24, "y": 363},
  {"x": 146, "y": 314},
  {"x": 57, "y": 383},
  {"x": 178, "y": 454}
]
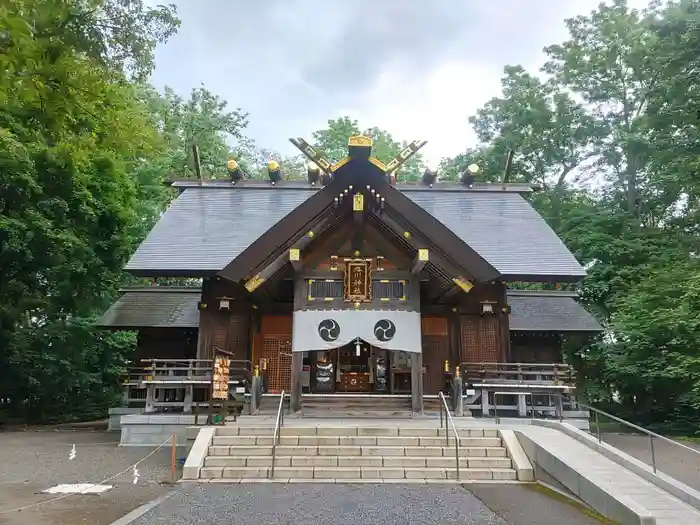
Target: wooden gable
[{"x": 385, "y": 206}]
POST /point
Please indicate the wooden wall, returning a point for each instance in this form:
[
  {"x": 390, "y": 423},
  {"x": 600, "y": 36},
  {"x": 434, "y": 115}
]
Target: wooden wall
[
  {"x": 225, "y": 329},
  {"x": 529, "y": 347},
  {"x": 166, "y": 343}
]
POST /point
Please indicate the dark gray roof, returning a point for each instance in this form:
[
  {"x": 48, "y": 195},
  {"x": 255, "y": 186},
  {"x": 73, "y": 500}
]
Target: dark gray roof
[
  {"x": 533, "y": 311},
  {"x": 207, "y": 227},
  {"x": 204, "y": 229},
  {"x": 155, "y": 308},
  {"x": 504, "y": 229}
]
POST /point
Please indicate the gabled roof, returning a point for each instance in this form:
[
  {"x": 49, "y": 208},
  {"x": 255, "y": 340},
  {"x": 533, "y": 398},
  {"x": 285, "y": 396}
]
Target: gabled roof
[
  {"x": 156, "y": 307},
  {"x": 205, "y": 228},
  {"x": 505, "y": 230},
  {"x": 213, "y": 223},
  {"x": 549, "y": 311}
]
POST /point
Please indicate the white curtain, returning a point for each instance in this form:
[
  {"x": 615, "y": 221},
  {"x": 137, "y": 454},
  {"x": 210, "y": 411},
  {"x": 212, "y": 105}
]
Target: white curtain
[{"x": 326, "y": 329}]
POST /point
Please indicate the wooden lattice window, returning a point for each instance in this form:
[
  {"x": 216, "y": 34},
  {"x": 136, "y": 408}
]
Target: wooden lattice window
[
  {"x": 480, "y": 339},
  {"x": 470, "y": 339},
  {"x": 278, "y": 352},
  {"x": 325, "y": 289},
  {"x": 488, "y": 339},
  {"x": 388, "y": 290}
]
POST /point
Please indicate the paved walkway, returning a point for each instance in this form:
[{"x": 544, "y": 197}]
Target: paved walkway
[{"x": 362, "y": 504}]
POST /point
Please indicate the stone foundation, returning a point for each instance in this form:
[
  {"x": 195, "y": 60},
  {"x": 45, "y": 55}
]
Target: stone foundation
[{"x": 150, "y": 430}]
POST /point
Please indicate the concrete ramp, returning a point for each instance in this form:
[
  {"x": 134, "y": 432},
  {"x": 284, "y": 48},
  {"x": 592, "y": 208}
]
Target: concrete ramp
[{"x": 612, "y": 490}]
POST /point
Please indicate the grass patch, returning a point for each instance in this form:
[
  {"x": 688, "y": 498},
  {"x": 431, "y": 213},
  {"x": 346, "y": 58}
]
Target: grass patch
[
  {"x": 546, "y": 491},
  {"x": 688, "y": 439}
]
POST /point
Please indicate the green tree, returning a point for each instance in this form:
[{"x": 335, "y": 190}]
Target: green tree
[
  {"x": 71, "y": 132},
  {"x": 202, "y": 119},
  {"x": 622, "y": 191}
]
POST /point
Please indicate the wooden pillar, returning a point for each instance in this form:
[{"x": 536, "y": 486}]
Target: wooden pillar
[
  {"x": 295, "y": 394},
  {"x": 417, "y": 382},
  {"x": 455, "y": 340}
]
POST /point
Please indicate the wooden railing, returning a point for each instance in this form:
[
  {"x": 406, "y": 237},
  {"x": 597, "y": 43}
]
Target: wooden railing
[
  {"x": 178, "y": 385},
  {"x": 183, "y": 371},
  {"x": 543, "y": 374}
]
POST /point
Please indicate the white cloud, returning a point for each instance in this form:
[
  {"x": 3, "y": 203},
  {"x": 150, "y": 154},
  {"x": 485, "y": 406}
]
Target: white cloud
[
  {"x": 433, "y": 108},
  {"x": 417, "y": 73}
]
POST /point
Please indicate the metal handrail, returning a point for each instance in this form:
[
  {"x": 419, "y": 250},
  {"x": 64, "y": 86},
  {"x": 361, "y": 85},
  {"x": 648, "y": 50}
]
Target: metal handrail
[
  {"x": 651, "y": 434},
  {"x": 443, "y": 406},
  {"x": 276, "y": 436}
]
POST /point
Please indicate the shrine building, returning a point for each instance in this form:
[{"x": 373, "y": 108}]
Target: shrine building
[{"x": 351, "y": 283}]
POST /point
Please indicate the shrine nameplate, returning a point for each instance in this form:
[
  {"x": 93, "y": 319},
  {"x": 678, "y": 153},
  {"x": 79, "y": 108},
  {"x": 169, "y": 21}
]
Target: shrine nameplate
[{"x": 358, "y": 281}]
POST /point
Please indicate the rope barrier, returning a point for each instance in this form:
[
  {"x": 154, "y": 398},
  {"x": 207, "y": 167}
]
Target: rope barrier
[{"x": 130, "y": 468}]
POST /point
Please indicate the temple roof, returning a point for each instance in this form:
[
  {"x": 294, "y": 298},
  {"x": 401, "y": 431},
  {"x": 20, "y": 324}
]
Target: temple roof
[
  {"x": 504, "y": 229},
  {"x": 208, "y": 226},
  {"x": 549, "y": 311},
  {"x": 204, "y": 229},
  {"x": 156, "y": 307}
]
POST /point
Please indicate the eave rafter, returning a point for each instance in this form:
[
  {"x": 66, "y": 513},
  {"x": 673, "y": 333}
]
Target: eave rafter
[
  {"x": 292, "y": 254},
  {"x": 420, "y": 260}
]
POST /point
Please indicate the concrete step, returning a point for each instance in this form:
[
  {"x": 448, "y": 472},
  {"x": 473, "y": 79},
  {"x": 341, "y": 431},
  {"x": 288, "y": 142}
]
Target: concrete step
[
  {"x": 349, "y": 473},
  {"x": 320, "y": 413},
  {"x": 350, "y": 431},
  {"x": 355, "y": 461},
  {"x": 249, "y": 441},
  {"x": 284, "y": 450}
]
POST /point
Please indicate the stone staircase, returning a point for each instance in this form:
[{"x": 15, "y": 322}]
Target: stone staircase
[{"x": 355, "y": 452}]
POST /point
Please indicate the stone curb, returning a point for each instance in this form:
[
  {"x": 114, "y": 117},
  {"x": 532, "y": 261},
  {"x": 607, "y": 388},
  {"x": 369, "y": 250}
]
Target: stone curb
[
  {"x": 199, "y": 451},
  {"x": 517, "y": 455}
]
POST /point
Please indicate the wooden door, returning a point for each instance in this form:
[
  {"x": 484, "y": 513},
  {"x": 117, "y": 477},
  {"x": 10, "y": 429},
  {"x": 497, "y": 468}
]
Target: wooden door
[{"x": 435, "y": 352}]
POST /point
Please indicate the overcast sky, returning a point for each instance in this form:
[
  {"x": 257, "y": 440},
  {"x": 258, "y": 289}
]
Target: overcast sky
[{"x": 417, "y": 68}]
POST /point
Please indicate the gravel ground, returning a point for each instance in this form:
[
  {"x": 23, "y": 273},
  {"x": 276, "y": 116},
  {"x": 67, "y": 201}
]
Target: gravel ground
[
  {"x": 670, "y": 459},
  {"x": 361, "y": 504},
  {"x": 33, "y": 461}
]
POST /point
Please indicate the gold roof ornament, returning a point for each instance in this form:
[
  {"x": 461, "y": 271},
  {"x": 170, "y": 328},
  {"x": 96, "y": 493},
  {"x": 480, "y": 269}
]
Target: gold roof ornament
[
  {"x": 360, "y": 140},
  {"x": 274, "y": 173},
  {"x": 360, "y": 146}
]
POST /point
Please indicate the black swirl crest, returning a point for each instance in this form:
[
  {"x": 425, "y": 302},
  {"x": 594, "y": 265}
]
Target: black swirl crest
[
  {"x": 329, "y": 330},
  {"x": 384, "y": 330}
]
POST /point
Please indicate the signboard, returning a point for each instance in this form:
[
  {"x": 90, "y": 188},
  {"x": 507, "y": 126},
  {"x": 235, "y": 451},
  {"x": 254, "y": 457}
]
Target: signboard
[
  {"x": 358, "y": 283},
  {"x": 220, "y": 377}
]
